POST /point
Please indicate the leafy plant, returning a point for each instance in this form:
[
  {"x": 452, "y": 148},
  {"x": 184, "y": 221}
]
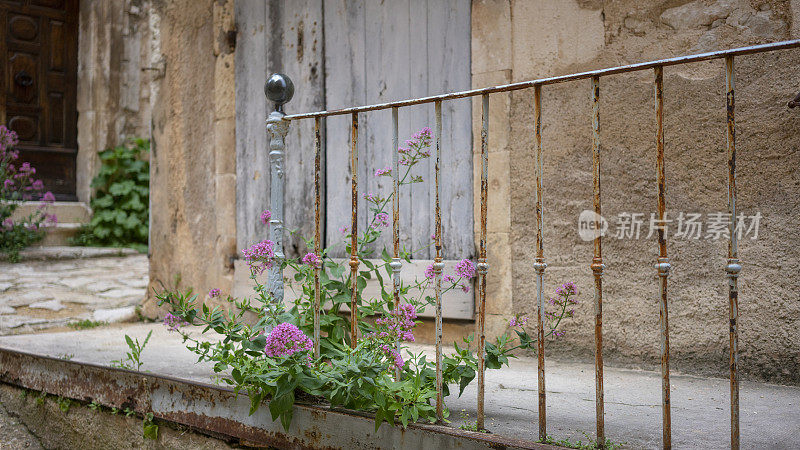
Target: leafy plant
[
  {"x": 149, "y": 429},
  {"x": 120, "y": 202},
  {"x": 63, "y": 404},
  {"x": 86, "y": 324},
  {"x": 266, "y": 351},
  {"x": 17, "y": 185},
  {"x": 94, "y": 406},
  {"x": 590, "y": 444},
  {"x": 132, "y": 359}
]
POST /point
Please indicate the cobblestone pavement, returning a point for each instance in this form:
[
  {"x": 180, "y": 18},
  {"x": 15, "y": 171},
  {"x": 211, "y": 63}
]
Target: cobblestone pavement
[{"x": 53, "y": 287}]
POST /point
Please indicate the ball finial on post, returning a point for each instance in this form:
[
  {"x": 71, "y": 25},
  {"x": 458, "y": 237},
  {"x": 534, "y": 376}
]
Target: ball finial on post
[{"x": 279, "y": 89}]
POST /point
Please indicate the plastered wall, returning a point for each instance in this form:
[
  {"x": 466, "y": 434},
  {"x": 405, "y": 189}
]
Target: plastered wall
[{"x": 516, "y": 40}]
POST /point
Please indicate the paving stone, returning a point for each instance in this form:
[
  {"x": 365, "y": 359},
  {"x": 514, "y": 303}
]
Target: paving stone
[
  {"x": 26, "y": 298},
  {"x": 77, "y": 281},
  {"x": 18, "y": 321},
  {"x": 125, "y": 314},
  {"x": 101, "y": 286},
  {"x": 123, "y": 292},
  {"x": 98, "y": 281},
  {"x": 136, "y": 282},
  {"x": 52, "y": 305}
]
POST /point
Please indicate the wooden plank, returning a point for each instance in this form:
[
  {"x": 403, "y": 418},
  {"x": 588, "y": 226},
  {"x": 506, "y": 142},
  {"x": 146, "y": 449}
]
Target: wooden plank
[
  {"x": 344, "y": 85},
  {"x": 387, "y": 51},
  {"x": 449, "y": 71},
  {"x": 302, "y": 60},
  {"x": 252, "y": 159}
]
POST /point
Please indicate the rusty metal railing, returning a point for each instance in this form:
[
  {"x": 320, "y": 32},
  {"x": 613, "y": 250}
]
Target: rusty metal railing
[{"x": 277, "y": 127}]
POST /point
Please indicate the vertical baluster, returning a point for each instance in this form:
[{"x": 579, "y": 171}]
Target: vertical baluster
[
  {"x": 317, "y": 240},
  {"x": 354, "y": 234},
  {"x": 663, "y": 265},
  {"x": 279, "y": 89},
  {"x": 438, "y": 266},
  {"x": 597, "y": 266},
  {"x": 733, "y": 267},
  {"x": 483, "y": 267},
  {"x": 395, "y": 264},
  {"x": 539, "y": 265}
]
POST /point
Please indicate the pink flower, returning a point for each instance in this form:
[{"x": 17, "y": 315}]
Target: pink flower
[
  {"x": 173, "y": 322},
  {"x": 260, "y": 256},
  {"x": 214, "y": 293},
  {"x": 429, "y": 273},
  {"x": 465, "y": 269},
  {"x": 383, "y": 172},
  {"x": 343, "y": 229},
  {"x": 48, "y": 197},
  {"x": 518, "y": 321},
  {"x": 312, "y": 260},
  {"x": 286, "y": 340},
  {"x": 381, "y": 220},
  {"x": 8, "y": 183},
  {"x": 395, "y": 355},
  {"x": 265, "y": 216},
  {"x": 465, "y": 287},
  {"x": 37, "y": 185},
  {"x": 8, "y": 224},
  {"x": 371, "y": 198}
]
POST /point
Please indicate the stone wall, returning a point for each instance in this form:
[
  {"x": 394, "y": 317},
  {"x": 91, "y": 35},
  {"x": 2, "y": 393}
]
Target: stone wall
[
  {"x": 521, "y": 40},
  {"x": 114, "y": 74},
  {"x": 193, "y": 229}
]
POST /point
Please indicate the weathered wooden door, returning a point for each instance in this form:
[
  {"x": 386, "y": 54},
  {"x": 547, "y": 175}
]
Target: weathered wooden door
[
  {"x": 39, "y": 47},
  {"x": 344, "y": 53}
]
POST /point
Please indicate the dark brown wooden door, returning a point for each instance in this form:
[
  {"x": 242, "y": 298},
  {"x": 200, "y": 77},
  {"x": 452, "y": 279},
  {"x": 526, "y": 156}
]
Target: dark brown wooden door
[{"x": 39, "y": 47}]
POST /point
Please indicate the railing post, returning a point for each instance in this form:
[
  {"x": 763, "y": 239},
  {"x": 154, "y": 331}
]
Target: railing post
[
  {"x": 662, "y": 266},
  {"x": 597, "y": 267},
  {"x": 733, "y": 267},
  {"x": 279, "y": 89},
  {"x": 539, "y": 265}
]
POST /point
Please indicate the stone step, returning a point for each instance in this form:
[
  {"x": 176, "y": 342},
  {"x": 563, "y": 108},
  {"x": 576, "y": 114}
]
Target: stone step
[
  {"x": 67, "y": 212},
  {"x": 60, "y": 234}
]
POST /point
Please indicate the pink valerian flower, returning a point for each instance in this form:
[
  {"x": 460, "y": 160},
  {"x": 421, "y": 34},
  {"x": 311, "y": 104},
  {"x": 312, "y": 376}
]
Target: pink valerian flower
[
  {"x": 265, "y": 216},
  {"x": 50, "y": 220},
  {"x": 312, "y": 260},
  {"x": 214, "y": 293},
  {"x": 173, "y": 322},
  {"x": 518, "y": 321},
  {"x": 371, "y": 198},
  {"x": 395, "y": 355},
  {"x": 466, "y": 269},
  {"x": 429, "y": 272},
  {"x": 8, "y": 183},
  {"x": 260, "y": 257},
  {"x": 465, "y": 288},
  {"x": 566, "y": 289},
  {"x": 286, "y": 340},
  {"x": 343, "y": 229},
  {"x": 400, "y": 322},
  {"x": 48, "y": 197},
  {"x": 37, "y": 185},
  {"x": 8, "y": 224},
  {"x": 386, "y": 171},
  {"x": 26, "y": 168},
  {"x": 381, "y": 220}
]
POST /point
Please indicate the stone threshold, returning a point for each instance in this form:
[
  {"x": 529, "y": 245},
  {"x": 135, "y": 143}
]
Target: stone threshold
[
  {"x": 48, "y": 253},
  {"x": 217, "y": 411}
]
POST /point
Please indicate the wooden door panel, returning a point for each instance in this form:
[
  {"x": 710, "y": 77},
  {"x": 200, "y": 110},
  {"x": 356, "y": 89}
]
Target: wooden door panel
[{"x": 39, "y": 95}]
